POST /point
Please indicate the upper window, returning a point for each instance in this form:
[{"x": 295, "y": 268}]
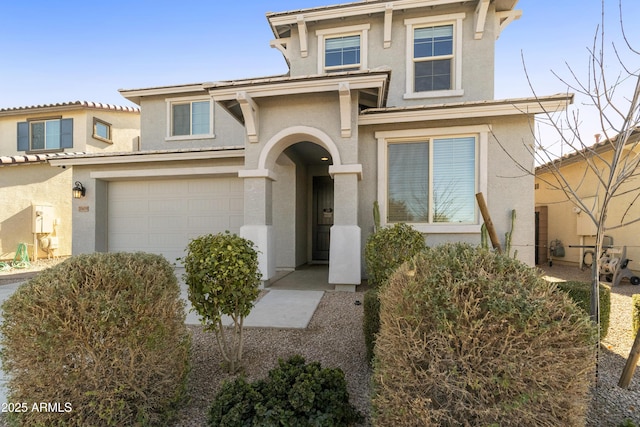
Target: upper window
[
  {"x": 189, "y": 118},
  {"x": 101, "y": 130},
  {"x": 45, "y": 134},
  {"x": 431, "y": 180},
  {"x": 342, "y": 49},
  {"x": 434, "y": 66}
]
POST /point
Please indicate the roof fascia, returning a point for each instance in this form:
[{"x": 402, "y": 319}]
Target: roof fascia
[
  {"x": 134, "y": 95},
  {"x": 323, "y": 84},
  {"x": 466, "y": 111},
  {"x": 142, "y": 157}
]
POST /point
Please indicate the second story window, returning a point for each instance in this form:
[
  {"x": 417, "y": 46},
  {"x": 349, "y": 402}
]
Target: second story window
[
  {"x": 434, "y": 63},
  {"x": 101, "y": 130},
  {"x": 432, "y": 58},
  {"x": 342, "y": 53},
  {"x": 190, "y": 118},
  {"x": 342, "y": 49},
  {"x": 45, "y": 134}
]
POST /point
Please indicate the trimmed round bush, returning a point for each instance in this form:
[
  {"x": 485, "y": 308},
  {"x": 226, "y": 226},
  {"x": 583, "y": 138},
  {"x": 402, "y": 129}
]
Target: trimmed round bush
[
  {"x": 472, "y": 338},
  {"x": 102, "y": 335},
  {"x": 294, "y": 394},
  {"x": 388, "y": 248},
  {"x": 580, "y": 293}
]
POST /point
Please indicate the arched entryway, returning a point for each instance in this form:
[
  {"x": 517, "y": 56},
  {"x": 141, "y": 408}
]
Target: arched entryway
[{"x": 317, "y": 162}]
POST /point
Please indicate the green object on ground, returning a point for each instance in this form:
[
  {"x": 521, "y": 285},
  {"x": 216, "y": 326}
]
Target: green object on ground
[{"x": 21, "y": 259}]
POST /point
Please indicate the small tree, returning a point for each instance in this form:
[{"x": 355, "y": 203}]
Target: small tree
[{"x": 223, "y": 278}]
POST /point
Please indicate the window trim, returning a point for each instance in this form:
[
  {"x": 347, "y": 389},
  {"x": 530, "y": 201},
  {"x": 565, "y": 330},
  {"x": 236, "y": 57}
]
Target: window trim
[
  {"x": 109, "y": 139},
  {"x": 184, "y": 100},
  {"x": 352, "y": 30},
  {"x": 412, "y": 24},
  {"x": 384, "y": 138},
  {"x": 30, "y": 121}
]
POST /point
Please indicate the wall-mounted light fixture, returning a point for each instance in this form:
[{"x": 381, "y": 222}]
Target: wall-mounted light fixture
[{"x": 78, "y": 190}]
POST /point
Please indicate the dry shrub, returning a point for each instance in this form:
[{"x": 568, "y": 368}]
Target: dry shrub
[
  {"x": 470, "y": 338},
  {"x": 104, "y": 336}
]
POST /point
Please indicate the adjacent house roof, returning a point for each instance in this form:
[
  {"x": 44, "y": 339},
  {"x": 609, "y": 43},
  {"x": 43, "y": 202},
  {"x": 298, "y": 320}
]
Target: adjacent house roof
[
  {"x": 66, "y": 106},
  {"x": 25, "y": 159},
  {"x": 597, "y": 148}
]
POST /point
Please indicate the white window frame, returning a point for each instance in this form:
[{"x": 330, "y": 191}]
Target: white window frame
[
  {"x": 384, "y": 138},
  {"x": 353, "y": 30},
  {"x": 454, "y": 19},
  {"x": 45, "y": 123},
  {"x": 173, "y": 101}
]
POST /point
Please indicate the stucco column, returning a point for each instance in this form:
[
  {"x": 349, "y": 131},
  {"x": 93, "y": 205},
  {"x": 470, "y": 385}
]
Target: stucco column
[
  {"x": 344, "y": 251},
  {"x": 258, "y": 221}
]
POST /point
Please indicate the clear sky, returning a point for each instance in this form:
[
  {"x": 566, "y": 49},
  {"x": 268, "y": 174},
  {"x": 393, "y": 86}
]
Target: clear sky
[{"x": 84, "y": 50}]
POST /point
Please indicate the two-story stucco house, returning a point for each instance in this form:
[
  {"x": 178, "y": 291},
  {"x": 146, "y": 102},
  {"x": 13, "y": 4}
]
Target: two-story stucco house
[
  {"x": 35, "y": 199},
  {"x": 389, "y": 101}
]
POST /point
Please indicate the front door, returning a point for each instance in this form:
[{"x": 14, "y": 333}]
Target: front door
[{"x": 322, "y": 217}]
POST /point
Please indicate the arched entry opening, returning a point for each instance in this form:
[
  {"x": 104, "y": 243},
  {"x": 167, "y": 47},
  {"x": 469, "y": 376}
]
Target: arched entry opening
[{"x": 301, "y": 205}]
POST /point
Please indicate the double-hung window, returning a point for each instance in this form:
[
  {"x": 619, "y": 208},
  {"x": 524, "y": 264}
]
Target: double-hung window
[
  {"x": 431, "y": 178},
  {"x": 190, "y": 118},
  {"x": 433, "y": 56},
  {"x": 45, "y": 134},
  {"x": 342, "y": 49}
]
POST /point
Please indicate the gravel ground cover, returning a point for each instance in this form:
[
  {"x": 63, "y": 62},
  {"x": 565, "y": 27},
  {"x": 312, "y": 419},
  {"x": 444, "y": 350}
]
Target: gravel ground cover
[{"x": 334, "y": 338}]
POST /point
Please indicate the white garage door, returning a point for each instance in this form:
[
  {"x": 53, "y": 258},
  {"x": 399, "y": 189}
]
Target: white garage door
[{"x": 161, "y": 216}]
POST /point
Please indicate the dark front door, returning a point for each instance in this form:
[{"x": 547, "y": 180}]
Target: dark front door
[{"x": 322, "y": 216}]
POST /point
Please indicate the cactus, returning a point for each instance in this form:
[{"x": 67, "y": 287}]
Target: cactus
[
  {"x": 376, "y": 216},
  {"x": 509, "y": 234},
  {"x": 484, "y": 236}
]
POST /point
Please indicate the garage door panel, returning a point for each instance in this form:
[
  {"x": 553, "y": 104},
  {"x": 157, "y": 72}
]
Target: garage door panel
[{"x": 161, "y": 216}]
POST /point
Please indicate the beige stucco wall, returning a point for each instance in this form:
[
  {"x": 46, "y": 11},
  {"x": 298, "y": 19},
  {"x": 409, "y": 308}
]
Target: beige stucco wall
[
  {"x": 477, "y": 55},
  {"x": 563, "y": 220},
  {"x": 24, "y": 185}
]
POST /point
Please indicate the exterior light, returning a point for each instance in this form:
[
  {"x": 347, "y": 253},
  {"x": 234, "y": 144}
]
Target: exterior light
[
  {"x": 324, "y": 159},
  {"x": 78, "y": 190}
]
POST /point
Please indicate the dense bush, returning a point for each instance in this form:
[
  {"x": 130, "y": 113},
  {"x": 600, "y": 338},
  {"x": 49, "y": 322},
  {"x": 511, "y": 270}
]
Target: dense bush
[
  {"x": 223, "y": 279},
  {"x": 473, "y": 338},
  {"x": 635, "y": 321},
  {"x": 385, "y": 251},
  {"x": 371, "y": 320},
  {"x": 294, "y": 394},
  {"x": 580, "y": 293},
  {"x": 104, "y": 336},
  {"x": 388, "y": 248}
]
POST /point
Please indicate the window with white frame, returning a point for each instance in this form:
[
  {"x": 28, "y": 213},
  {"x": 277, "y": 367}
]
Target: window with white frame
[
  {"x": 189, "y": 118},
  {"x": 431, "y": 179},
  {"x": 434, "y": 66},
  {"x": 342, "y": 49}
]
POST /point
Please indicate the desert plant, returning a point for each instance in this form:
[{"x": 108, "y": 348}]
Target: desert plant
[
  {"x": 580, "y": 293},
  {"x": 388, "y": 248},
  {"x": 104, "y": 336},
  {"x": 385, "y": 251},
  {"x": 470, "y": 337},
  {"x": 293, "y": 394},
  {"x": 223, "y": 279}
]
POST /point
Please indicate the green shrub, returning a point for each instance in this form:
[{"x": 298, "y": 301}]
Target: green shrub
[
  {"x": 294, "y": 394},
  {"x": 388, "y": 248},
  {"x": 104, "y": 333},
  {"x": 385, "y": 251},
  {"x": 223, "y": 279},
  {"x": 473, "y": 338},
  {"x": 635, "y": 321},
  {"x": 371, "y": 321},
  {"x": 580, "y": 293}
]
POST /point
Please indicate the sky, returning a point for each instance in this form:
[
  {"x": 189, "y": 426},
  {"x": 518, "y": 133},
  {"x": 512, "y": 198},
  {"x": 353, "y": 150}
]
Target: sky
[{"x": 83, "y": 50}]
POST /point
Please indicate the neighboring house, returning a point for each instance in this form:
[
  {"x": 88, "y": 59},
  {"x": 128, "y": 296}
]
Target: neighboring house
[
  {"x": 29, "y": 138},
  {"x": 558, "y": 218},
  {"x": 384, "y": 100}
]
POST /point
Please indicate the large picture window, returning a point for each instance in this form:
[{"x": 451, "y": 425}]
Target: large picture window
[{"x": 432, "y": 181}]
